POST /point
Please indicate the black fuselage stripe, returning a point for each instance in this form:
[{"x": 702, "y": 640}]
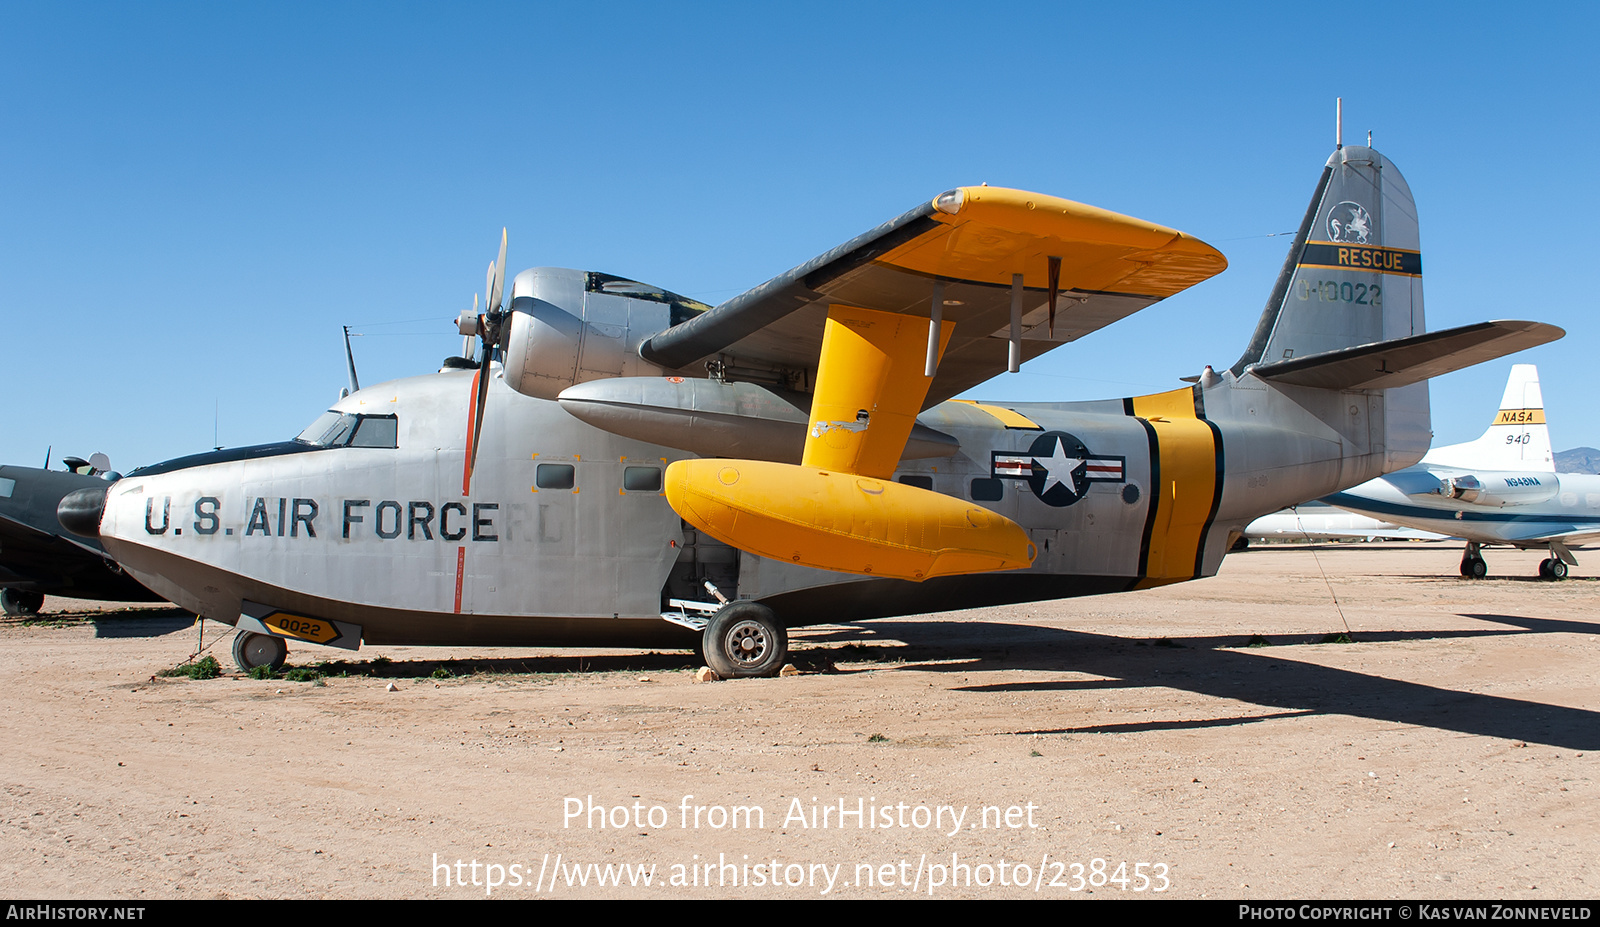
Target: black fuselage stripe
[
  {"x": 1216, "y": 498},
  {"x": 1155, "y": 498}
]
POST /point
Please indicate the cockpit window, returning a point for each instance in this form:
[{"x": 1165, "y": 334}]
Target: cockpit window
[
  {"x": 340, "y": 429},
  {"x": 329, "y": 429},
  {"x": 376, "y": 431}
]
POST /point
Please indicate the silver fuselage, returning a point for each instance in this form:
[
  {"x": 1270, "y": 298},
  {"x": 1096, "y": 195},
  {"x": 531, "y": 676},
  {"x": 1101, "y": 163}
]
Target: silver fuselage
[{"x": 386, "y": 539}]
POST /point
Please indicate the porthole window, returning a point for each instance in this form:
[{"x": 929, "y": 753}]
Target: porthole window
[
  {"x": 918, "y": 480},
  {"x": 641, "y": 479},
  {"x": 554, "y": 476}
]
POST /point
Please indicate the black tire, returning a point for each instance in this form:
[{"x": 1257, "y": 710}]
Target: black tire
[
  {"x": 744, "y": 640},
  {"x": 251, "y": 650},
  {"x": 20, "y": 604},
  {"x": 1477, "y": 568},
  {"x": 1558, "y": 569}
]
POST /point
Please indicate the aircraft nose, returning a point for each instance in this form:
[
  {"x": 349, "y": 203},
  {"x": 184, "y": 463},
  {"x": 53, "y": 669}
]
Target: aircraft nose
[{"x": 80, "y": 511}]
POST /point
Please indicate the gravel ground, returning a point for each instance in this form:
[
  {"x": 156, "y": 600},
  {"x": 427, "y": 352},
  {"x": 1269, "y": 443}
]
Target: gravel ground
[{"x": 1125, "y": 746}]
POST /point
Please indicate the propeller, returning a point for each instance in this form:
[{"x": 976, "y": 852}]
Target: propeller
[{"x": 489, "y": 327}]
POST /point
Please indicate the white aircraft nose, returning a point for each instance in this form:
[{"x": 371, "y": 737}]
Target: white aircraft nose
[{"x": 80, "y": 510}]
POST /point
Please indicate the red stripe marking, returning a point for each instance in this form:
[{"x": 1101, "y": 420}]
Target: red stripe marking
[
  {"x": 472, "y": 421},
  {"x": 461, "y": 568}
]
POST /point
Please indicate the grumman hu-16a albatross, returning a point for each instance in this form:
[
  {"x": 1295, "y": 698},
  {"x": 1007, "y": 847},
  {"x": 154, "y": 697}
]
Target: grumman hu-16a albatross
[
  {"x": 622, "y": 454},
  {"x": 1500, "y": 489}
]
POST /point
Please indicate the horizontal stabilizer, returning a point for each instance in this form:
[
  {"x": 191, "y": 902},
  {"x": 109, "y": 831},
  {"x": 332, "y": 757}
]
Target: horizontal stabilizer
[{"x": 1403, "y": 361}]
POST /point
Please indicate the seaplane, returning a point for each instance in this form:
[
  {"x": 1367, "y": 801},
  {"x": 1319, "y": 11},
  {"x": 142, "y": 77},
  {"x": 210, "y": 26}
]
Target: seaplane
[{"x": 620, "y": 465}]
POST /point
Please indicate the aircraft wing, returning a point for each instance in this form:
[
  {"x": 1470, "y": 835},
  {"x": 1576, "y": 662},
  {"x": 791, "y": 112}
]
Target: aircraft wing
[
  {"x": 1547, "y": 531},
  {"x": 967, "y": 246}
]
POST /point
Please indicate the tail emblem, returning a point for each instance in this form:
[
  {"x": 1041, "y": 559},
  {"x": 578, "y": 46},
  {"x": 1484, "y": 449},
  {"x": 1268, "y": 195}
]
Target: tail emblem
[{"x": 1350, "y": 222}]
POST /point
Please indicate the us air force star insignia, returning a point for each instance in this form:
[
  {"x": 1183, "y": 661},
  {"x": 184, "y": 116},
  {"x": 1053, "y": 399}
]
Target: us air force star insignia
[{"x": 1057, "y": 467}]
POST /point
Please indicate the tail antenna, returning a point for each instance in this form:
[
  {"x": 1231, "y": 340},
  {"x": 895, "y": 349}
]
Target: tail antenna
[{"x": 1338, "y": 123}]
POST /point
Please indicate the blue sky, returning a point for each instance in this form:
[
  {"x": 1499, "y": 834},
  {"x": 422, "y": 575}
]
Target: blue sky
[{"x": 197, "y": 196}]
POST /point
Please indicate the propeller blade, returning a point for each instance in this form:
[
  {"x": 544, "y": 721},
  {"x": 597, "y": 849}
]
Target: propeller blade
[
  {"x": 499, "y": 276},
  {"x": 488, "y": 329},
  {"x": 467, "y": 325},
  {"x": 480, "y": 394}
]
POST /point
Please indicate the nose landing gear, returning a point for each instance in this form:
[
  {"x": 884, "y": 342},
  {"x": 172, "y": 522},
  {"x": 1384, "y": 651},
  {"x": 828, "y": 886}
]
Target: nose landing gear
[{"x": 251, "y": 650}]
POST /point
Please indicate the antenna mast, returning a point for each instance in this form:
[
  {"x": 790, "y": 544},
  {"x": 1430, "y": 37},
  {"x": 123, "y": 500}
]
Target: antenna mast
[
  {"x": 1338, "y": 123},
  {"x": 350, "y": 359}
]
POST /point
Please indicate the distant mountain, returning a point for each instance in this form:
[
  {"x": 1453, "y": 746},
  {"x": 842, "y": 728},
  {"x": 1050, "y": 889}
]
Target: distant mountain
[{"x": 1578, "y": 460}]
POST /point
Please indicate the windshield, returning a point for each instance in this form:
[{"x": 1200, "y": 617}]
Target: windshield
[
  {"x": 329, "y": 430},
  {"x": 340, "y": 429}
]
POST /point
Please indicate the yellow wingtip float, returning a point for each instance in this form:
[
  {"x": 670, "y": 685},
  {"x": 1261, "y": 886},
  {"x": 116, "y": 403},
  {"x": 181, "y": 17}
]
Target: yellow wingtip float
[
  {"x": 837, "y": 510},
  {"x": 842, "y": 521}
]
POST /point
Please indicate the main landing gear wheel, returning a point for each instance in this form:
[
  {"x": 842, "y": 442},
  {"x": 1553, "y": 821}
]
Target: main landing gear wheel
[
  {"x": 20, "y": 604},
  {"x": 745, "y": 639},
  {"x": 1474, "y": 568},
  {"x": 251, "y": 650},
  {"x": 1553, "y": 568}
]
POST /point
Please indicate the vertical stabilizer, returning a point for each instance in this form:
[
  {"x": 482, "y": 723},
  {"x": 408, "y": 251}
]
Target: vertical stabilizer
[
  {"x": 1354, "y": 273},
  {"x": 1518, "y": 439}
]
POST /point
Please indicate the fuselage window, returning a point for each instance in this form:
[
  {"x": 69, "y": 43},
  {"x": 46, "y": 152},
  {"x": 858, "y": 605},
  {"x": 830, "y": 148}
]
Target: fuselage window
[
  {"x": 641, "y": 479},
  {"x": 916, "y": 479},
  {"x": 987, "y": 489},
  {"x": 377, "y": 431},
  {"x": 554, "y": 476}
]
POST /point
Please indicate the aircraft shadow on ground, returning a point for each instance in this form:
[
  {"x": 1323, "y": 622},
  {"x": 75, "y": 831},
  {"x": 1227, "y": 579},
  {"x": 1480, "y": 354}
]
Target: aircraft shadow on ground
[
  {"x": 123, "y": 623},
  {"x": 153, "y": 626},
  {"x": 556, "y": 665},
  {"x": 1226, "y": 668}
]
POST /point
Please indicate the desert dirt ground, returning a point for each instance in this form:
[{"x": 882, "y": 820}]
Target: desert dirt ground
[{"x": 1120, "y": 746}]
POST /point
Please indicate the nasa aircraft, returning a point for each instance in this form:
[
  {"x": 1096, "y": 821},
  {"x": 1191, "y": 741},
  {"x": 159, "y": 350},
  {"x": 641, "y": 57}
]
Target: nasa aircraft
[
  {"x": 625, "y": 463},
  {"x": 1319, "y": 521},
  {"x": 1502, "y": 488}
]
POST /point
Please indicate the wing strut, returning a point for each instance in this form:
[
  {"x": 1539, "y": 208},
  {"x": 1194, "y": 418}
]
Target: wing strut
[
  {"x": 1014, "y": 363},
  {"x": 838, "y": 510}
]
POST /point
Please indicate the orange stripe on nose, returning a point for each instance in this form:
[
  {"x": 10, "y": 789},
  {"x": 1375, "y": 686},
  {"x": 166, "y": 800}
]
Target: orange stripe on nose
[{"x": 461, "y": 569}]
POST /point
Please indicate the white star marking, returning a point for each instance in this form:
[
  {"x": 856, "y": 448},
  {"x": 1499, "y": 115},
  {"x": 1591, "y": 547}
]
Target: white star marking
[{"x": 1058, "y": 463}]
